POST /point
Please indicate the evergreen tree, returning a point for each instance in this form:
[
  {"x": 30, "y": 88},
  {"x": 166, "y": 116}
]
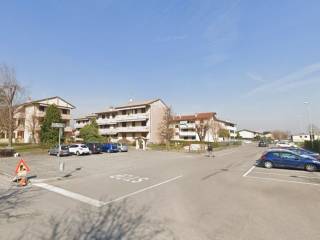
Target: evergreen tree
[
  {"x": 90, "y": 133},
  {"x": 49, "y": 135}
]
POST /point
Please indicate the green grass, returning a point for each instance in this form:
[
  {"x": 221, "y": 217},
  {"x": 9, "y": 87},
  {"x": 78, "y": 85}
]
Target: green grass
[{"x": 26, "y": 147}]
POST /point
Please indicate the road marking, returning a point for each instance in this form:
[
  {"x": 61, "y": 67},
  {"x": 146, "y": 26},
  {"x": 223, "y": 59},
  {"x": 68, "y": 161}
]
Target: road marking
[
  {"x": 281, "y": 180},
  {"x": 129, "y": 178},
  {"x": 285, "y": 175},
  {"x": 69, "y": 194},
  {"x": 142, "y": 190},
  {"x": 249, "y": 171}
]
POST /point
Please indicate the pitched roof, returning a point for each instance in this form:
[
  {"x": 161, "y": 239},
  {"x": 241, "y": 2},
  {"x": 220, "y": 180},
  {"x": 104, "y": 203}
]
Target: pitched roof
[
  {"x": 137, "y": 103},
  {"x": 197, "y": 116},
  {"x": 45, "y": 99},
  {"x": 248, "y": 131}
]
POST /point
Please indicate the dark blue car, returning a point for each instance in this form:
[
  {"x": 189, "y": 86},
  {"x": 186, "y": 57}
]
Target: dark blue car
[
  {"x": 301, "y": 151},
  {"x": 109, "y": 148},
  {"x": 281, "y": 158}
]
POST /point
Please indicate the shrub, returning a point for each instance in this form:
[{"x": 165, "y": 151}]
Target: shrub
[{"x": 315, "y": 147}]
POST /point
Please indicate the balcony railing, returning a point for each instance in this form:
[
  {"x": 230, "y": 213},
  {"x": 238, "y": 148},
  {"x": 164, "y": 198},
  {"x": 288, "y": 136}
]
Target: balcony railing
[
  {"x": 106, "y": 121},
  {"x": 133, "y": 129},
  {"x": 188, "y": 126},
  {"x": 188, "y": 134},
  {"x": 66, "y": 116},
  {"x": 80, "y": 125},
  {"x": 107, "y": 131},
  {"x": 132, "y": 117}
]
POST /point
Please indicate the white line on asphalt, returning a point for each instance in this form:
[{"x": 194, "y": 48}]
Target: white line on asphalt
[
  {"x": 249, "y": 171},
  {"x": 69, "y": 194},
  {"x": 142, "y": 190},
  {"x": 281, "y": 180},
  {"x": 285, "y": 175}
]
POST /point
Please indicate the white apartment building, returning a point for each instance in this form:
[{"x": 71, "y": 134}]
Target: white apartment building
[
  {"x": 131, "y": 121},
  {"x": 300, "y": 138},
  {"x": 248, "y": 134},
  {"x": 30, "y": 115},
  {"x": 81, "y": 122},
  {"x": 185, "y": 127}
]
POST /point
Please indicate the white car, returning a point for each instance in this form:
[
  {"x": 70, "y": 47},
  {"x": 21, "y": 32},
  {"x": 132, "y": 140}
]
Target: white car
[
  {"x": 79, "y": 149},
  {"x": 285, "y": 144}
]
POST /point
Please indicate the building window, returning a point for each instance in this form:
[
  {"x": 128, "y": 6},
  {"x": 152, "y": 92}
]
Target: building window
[
  {"x": 124, "y": 112},
  {"x": 65, "y": 111},
  {"x": 124, "y": 124},
  {"x": 133, "y": 135},
  {"x": 144, "y": 123},
  {"x": 177, "y": 126},
  {"x": 135, "y": 111},
  {"x": 42, "y": 108},
  {"x": 143, "y": 110},
  {"x": 133, "y": 124}
]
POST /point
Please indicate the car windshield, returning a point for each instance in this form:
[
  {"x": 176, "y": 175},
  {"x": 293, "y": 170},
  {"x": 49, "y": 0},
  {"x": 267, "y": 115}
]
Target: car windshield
[{"x": 64, "y": 147}]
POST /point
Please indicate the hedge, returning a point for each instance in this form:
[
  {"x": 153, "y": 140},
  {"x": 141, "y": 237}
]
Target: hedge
[{"x": 315, "y": 147}]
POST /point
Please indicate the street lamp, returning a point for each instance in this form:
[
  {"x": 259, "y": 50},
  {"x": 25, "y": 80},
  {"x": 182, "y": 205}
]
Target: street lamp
[{"x": 310, "y": 122}]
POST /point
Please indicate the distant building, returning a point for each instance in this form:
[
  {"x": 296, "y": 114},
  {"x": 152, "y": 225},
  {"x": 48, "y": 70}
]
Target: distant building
[
  {"x": 248, "y": 134},
  {"x": 30, "y": 115},
  {"x": 185, "y": 127},
  {"x": 300, "y": 138},
  {"x": 132, "y": 121}
]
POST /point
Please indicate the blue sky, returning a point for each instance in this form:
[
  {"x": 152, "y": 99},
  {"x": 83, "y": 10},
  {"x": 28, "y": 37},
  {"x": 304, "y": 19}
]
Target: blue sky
[{"x": 252, "y": 62}]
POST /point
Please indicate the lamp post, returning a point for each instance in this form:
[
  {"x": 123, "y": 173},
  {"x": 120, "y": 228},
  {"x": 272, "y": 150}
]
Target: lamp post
[{"x": 310, "y": 122}]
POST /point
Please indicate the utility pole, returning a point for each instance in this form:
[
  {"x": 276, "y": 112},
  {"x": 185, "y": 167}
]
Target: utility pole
[{"x": 310, "y": 122}]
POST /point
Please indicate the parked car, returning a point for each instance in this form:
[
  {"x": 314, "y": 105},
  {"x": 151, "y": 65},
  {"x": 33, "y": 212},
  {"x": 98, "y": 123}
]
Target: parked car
[
  {"x": 109, "y": 147},
  {"x": 263, "y": 144},
  {"x": 63, "y": 152},
  {"x": 285, "y": 144},
  {"x": 302, "y": 151},
  {"x": 122, "y": 147},
  {"x": 79, "y": 149},
  {"x": 94, "y": 148},
  {"x": 283, "y": 158}
]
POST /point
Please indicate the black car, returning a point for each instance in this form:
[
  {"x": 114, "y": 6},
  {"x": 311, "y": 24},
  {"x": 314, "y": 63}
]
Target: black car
[
  {"x": 95, "y": 148},
  {"x": 263, "y": 144}
]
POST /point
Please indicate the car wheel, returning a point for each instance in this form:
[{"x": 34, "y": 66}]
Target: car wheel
[
  {"x": 78, "y": 153},
  {"x": 108, "y": 151},
  {"x": 310, "y": 167},
  {"x": 58, "y": 155},
  {"x": 268, "y": 164}
]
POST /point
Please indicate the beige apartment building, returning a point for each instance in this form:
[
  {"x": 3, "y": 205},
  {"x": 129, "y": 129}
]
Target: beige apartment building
[
  {"x": 131, "y": 121},
  {"x": 30, "y": 115},
  {"x": 185, "y": 127}
]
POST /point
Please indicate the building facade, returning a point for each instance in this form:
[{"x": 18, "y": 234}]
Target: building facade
[
  {"x": 248, "y": 134},
  {"x": 131, "y": 121},
  {"x": 30, "y": 115},
  {"x": 185, "y": 127}
]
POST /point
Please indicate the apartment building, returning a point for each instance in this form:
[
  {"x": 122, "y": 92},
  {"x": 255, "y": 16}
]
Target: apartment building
[
  {"x": 30, "y": 115},
  {"x": 185, "y": 127},
  {"x": 81, "y": 122},
  {"x": 131, "y": 121}
]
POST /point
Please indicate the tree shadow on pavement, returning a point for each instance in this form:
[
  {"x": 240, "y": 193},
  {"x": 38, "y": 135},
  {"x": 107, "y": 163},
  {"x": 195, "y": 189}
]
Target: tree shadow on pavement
[{"x": 114, "y": 221}]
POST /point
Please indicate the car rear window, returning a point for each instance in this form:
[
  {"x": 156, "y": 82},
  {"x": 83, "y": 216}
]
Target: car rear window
[
  {"x": 83, "y": 146},
  {"x": 64, "y": 147}
]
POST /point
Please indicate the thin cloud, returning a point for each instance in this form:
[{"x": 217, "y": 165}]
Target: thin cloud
[
  {"x": 256, "y": 77},
  {"x": 292, "y": 80},
  {"x": 171, "y": 38}
]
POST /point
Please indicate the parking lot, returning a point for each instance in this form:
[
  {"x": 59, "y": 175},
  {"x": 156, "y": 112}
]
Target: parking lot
[{"x": 190, "y": 195}]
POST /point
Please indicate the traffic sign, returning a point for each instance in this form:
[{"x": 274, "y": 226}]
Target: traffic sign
[
  {"x": 58, "y": 125},
  {"x": 22, "y": 168}
]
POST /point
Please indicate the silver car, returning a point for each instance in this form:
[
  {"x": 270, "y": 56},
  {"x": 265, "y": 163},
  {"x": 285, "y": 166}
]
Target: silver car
[
  {"x": 55, "y": 151},
  {"x": 122, "y": 147}
]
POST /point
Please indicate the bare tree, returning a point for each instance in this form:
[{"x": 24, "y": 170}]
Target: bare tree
[
  {"x": 11, "y": 93},
  {"x": 166, "y": 132},
  {"x": 280, "y": 135},
  {"x": 202, "y": 128},
  {"x": 214, "y": 127},
  {"x": 32, "y": 124}
]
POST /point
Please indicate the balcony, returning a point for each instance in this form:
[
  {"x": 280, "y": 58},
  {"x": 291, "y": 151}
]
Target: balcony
[
  {"x": 68, "y": 129},
  {"x": 40, "y": 114},
  {"x": 108, "y": 131},
  {"x": 188, "y": 134},
  {"x": 132, "y": 117},
  {"x": 20, "y": 115},
  {"x": 66, "y": 116},
  {"x": 188, "y": 126},
  {"x": 80, "y": 125},
  {"x": 106, "y": 121},
  {"x": 133, "y": 129}
]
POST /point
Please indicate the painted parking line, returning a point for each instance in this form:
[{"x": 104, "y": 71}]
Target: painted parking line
[
  {"x": 143, "y": 190},
  {"x": 249, "y": 171},
  {"x": 285, "y": 175},
  {"x": 94, "y": 202},
  {"x": 282, "y": 180},
  {"x": 69, "y": 194}
]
